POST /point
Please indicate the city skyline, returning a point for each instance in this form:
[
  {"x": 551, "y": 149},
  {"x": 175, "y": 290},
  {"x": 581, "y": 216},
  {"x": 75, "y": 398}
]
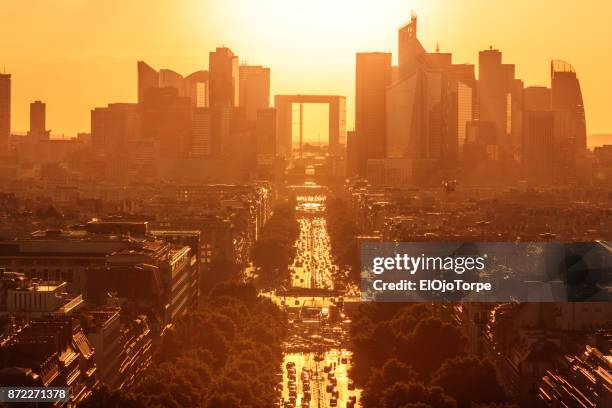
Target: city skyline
[
  {"x": 69, "y": 98},
  {"x": 305, "y": 203}
]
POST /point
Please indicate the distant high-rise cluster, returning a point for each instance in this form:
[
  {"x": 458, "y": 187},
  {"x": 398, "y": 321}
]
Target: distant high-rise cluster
[
  {"x": 183, "y": 127},
  {"x": 5, "y": 111},
  {"x": 424, "y": 121},
  {"x": 429, "y": 120}
]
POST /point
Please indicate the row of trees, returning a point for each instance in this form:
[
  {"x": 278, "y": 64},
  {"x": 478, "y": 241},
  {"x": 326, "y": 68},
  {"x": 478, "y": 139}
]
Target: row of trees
[
  {"x": 405, "y": 356},
  {"x": 225, "y": 355},
  {"x": 343, "y": 236},
  {"x": 275, "y": 246}
]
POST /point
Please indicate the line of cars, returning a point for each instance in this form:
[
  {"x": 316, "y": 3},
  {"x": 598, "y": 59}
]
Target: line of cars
[
  {"x": 330, "y": 388},
  {"x": 306, "y": 397}
]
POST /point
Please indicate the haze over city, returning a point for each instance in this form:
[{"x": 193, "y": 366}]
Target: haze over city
[
  {"x": 89, "y": 47},
  {"x": 305, "y": 204}
]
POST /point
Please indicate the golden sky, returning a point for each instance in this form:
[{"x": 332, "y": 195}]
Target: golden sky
[{"x": 78, "y": 54}]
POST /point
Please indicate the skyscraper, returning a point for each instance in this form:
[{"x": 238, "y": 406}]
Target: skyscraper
[
  {"x": 570, "y": 122},
  {"x": 167, "y": 121},
  {"x": 254, "y": 89},
  {"x": 37, "y": 117},
  {"x": 115, "y": 128},
  {"x": 537, "y": 98},
  {"x": 265, "y": 131},
  {"x": 224, "y": 78},
  {"x": 410, "y": 50},
  {"x": 147, "y": 78},
  {"x": 539, "y": 151},
  {"x": 567, "y": 104},
  {"x": 496, "y": 88},
  {"x": 353, "y": 155},
  {"x": 372, "y": 77},
  {"x": 195, "y": 86},
  {"x": 202, "y": 132},
  {"x": 170, "y": 78},
  {"x": 5, "y": 111},
  {"x": 415, "y": 104}
]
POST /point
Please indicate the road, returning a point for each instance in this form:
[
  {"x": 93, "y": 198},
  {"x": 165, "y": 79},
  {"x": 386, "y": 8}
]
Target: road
[
  {"x": 313, "y": 267},
  {"x": 316, "y": 362}
]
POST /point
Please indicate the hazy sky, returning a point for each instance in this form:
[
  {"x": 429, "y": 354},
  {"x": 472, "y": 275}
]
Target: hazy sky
[{"x": 78, "y": 54}]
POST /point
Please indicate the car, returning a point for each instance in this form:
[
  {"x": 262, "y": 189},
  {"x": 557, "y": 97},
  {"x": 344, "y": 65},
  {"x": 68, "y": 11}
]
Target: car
[
  {"x": 333, "y": 402},
  {"x": 329, "y": 388},
  {"x": 351, "y": 385}
]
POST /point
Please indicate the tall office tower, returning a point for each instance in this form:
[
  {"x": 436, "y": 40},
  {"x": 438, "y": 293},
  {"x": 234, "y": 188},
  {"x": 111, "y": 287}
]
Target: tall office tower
[
  {"x": 415, "y": 104},
  {"x": 460, "y": 107},
  {"x": 221, "y": 142},
  {"x": 196, "y": 87},
  {"x": 570, "y": 122},
  {"x": 224, "y": 78},
  {"x": 265, "y": 135},
  {"x": 480, "y": 144},
  {"x": 254, "y": 89},
  {"x": 353, "y": 154},
  {"x": 37, "y": 130},
  {"x": 539, "y": 146},
  {"x": 5, "y": 111},
  {"x": 516, "y": 117},
  {"x": 147, "y": 78},
  {"x": 37, "y": 117},
  {"x": 372, "y": 77},
  {"x": 410, "y": 49},
  {"x": 537, "y": 98},
  {"x": 115, "y": 128},
  {"x": 168, "y": 121},
  {"x": 168, "y": 78},
  {"x": 461, "y": 112},
  {"x": 496, "y": 87},
  {"x": 202, "y": 132}
]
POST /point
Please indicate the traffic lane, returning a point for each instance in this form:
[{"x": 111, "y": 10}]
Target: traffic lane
[
  {"x": 318, "y": 387},
  {"x": 340, "y": 372}
]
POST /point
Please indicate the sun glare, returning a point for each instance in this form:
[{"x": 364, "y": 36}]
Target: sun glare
[{"x": 324, "y": 24}]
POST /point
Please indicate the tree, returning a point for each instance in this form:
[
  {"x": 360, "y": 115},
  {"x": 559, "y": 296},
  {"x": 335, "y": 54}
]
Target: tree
[
  {"x": 226, "y": 400},
  {"x": 274, "y": 249},
  {"x": 430, "y": 344},
  {"x": 401, "y": 395},
  {"x": 393, "y": 371},
  {"x": 470, "y": 380},
  {"x": 221, "y": 270}
]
